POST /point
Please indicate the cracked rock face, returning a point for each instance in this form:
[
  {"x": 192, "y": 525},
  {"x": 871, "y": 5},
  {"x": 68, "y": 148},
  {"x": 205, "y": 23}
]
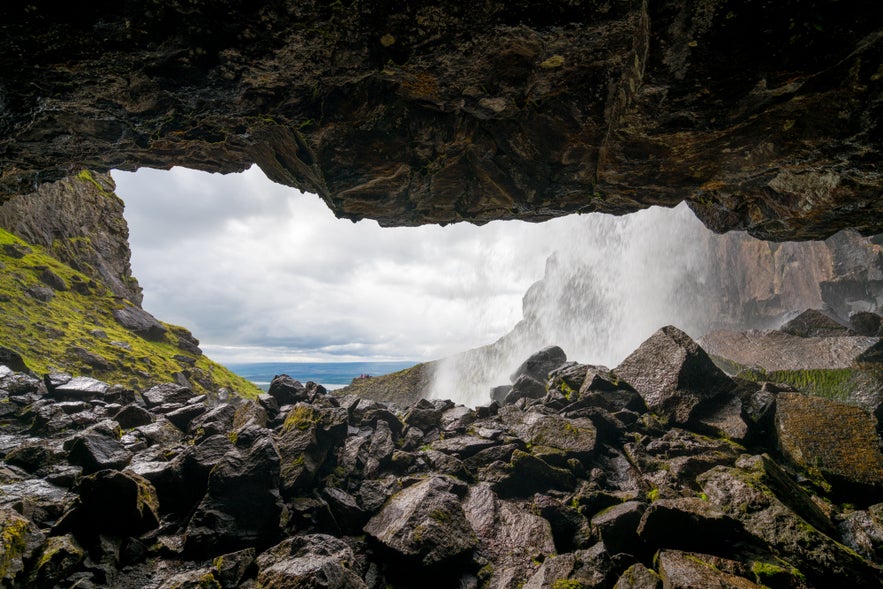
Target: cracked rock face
[{"x": 763, "y": 116}]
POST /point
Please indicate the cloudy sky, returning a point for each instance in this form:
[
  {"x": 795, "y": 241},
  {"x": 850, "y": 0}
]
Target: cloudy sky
[{"x": 262, "y": 272}]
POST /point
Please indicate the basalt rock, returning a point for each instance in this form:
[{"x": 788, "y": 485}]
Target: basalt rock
[
  {"x": 344, "y": 492},
  {"x": 762, "y": 117},
  {"x": 674, "y": 375}
]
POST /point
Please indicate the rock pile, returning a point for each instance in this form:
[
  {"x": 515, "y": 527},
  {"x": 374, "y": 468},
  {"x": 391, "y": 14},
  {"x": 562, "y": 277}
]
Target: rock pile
[{"x": 662, "y": 472}]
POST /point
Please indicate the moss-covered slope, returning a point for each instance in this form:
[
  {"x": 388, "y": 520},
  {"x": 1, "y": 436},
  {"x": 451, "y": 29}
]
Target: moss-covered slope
[{"x": 59, "y": 319}]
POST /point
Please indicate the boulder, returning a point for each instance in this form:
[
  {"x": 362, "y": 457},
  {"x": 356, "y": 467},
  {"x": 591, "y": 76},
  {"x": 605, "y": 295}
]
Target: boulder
[
  {"x": 140, "y": 322},
  {"x": 526, "y": 474},
  {"x": 182, "y": 416},
  {"x": 242, "y": 506},
  {"x": 313, "y": 561},
  {"x": 839, "y": 440},
  {"x": 511, "y": 536},
  {"x": 674, "y": 375},
  {"x": 112, "y": 502},
  {"x": 681, "y": 570},
  {"x": 540, "y": 364},
  {"x": 20, "y": 539},
  {"x": 12, "y": 360},
  {"x": 689, "y": 523},
  {"x": 132, "y": 416},
  {"x": 40, "y": 293},
  {"x": 424, "y": 523},
  {"x": 96, "y": 451},
  {"x": 61, "y": 555},
  {"x": 759, "y": 495},
  {"x": 576, "y": 437},
  {"x": 589, "y": 569},
  {"x": 816, "y": 323},
  {"x": 863, "y": 531},
  {"x": 166, "y": 393},
  {"x": 617, "y": 526},
  {"x": 31, "y": 456},
  {"x": 287, "y": 390},
  {"x": 866, "y": 323},
  {"x": 231, "y": 568},
  {"x": 80, "y": 387},
  {"x": 525, "y": 387},
  {"x": 638, "y": 576}
]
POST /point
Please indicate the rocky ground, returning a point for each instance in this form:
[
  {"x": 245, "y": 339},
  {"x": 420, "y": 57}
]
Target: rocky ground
[{"x": 662, "y": 472}]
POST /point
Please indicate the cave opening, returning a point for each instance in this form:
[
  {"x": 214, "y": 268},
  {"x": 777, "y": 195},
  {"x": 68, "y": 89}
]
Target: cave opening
[{"x": 266, "y": 275}]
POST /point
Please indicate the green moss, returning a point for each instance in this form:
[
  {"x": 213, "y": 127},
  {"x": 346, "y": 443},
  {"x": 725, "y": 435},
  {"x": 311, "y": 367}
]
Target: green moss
[
  {"x": 301, "y": 417},
  {"x": 44, "y": 333},
  {"x": 87, "y": 176},
  {"x": 567, "y": 584},
  {"x": 14, "y": 543},
  {"x": 765, "y": 572},
  {"x": 652, "y": 495},
  {"x": 440, "y": 516},
  {"x": 835, "y": 383},
  {"x": 208, "y": 581}
]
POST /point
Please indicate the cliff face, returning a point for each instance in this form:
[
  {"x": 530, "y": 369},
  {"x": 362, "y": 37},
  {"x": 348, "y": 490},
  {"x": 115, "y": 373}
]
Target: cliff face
[
  {"x": 80, "y": 222},
  {"x": 70, "y": 304},
  {"x": 763, "y": 116}
]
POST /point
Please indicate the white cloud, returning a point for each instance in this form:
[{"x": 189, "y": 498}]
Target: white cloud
[{"x": 260, "y": 271}]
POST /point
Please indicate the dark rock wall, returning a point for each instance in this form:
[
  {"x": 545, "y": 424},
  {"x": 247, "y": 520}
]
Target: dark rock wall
[
  {"x": 764, "y": 116},
  {"x": 79, "y": 220}
]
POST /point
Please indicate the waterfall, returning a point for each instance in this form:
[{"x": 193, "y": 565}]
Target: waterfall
[{"x": 611, "y": 282}]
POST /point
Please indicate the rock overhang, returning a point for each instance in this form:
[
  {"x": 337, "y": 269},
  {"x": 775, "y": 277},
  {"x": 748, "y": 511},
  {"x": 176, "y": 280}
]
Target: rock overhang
[{"x": 763, "y": 118}]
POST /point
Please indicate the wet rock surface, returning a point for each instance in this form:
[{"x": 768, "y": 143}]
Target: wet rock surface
[{"x": 584, "y": 486}]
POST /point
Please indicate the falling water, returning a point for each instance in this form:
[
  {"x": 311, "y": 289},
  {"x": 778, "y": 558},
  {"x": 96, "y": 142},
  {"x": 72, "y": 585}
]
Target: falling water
[{"x": 607, "y": 287}]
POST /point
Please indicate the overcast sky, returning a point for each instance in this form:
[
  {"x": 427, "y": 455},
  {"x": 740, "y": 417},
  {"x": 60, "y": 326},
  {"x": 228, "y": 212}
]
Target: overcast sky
[{"x": 262, "y": 272}]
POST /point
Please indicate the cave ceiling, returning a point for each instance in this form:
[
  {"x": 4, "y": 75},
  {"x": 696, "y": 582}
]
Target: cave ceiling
[{"x": 763, "y": 116}]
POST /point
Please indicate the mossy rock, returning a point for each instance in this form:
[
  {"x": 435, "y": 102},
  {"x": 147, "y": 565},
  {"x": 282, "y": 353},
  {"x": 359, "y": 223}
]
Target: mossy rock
[
  {"x": 837, "y": 440},
  {"x": 49, "y": 335}
]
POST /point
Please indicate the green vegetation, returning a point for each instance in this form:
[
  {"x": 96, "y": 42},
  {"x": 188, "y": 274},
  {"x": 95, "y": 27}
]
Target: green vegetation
[
  {"x": 567, "y": 584},
  {"x": 766, "y": 572},
  {"x": 12, "y": 543},
  {"x": 835, "y": 383},
  {"x": 48, "y": 334},
  {"x": 301, "y": 417}
]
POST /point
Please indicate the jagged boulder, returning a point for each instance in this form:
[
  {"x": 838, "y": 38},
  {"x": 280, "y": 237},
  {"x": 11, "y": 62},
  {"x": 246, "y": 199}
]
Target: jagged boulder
[
  {"x": 510, "y": 536},
  {"x": 312, "y": 561},
  {"x": 140, "y": 322},
  {"x": 112, "y": 502},
  {"x": 287, "y": 390},
  {"x": 683, "y": 570},
  {"x": 424, "y": 523},
  {"x": 242, "y": 506},
  {"x": 589, "y": 568},
  {"x": 866, "y": 323},
  {"x": 12, "y": 360},
  {"x": 61, "y": 555},
  {"x": 760, "y": 496},
  {"x": 540, "y": 364},
  {"x": 674, "y": 376},
  {"x": 816, "y": 323},
  {"x": 166, "y": 393},
  {"x": 96, "y": 451},
  {"x": 20, "y": 539},
  {"x": 638, "y": 576}
]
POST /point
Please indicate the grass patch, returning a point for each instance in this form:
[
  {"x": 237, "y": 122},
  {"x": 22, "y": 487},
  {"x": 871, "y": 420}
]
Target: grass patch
[{"x": 46, "y": 333}]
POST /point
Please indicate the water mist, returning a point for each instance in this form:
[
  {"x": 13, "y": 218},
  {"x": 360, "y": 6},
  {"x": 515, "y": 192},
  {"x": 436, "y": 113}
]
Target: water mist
[{"x": 607, "y": 287}]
